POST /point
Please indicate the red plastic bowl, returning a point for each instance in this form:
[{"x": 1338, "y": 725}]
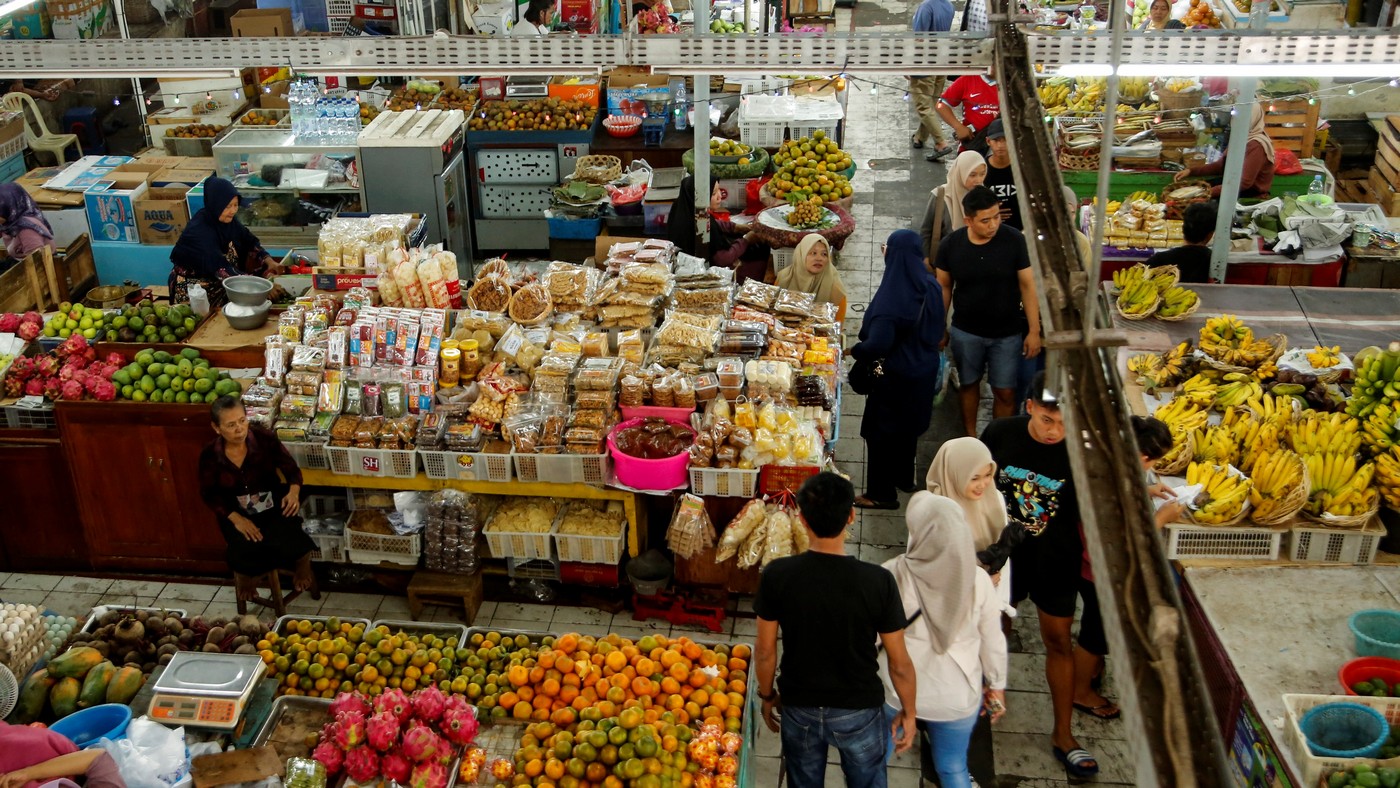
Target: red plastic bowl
[
  {"x": 622, "y": 125},
  {"x": 1367, "y": 668}
]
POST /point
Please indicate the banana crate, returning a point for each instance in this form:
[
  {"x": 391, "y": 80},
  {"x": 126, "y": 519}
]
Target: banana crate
[
  {"x": 1317, "y": 544},
  {"x": 1194, "y": 542}
]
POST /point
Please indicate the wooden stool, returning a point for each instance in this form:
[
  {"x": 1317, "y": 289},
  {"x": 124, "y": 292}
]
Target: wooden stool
[
  {"x": 275, "y": 601},
  {"x": 445, "y": 588}
]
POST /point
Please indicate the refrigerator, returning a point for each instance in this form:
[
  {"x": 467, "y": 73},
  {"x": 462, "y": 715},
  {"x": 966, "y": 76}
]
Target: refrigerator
[{"x": 398, "y": 153}]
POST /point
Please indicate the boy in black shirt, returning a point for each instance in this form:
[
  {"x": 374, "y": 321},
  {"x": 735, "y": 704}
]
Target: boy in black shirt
[
  {"x": 1034, "y": 477},
  {"x": 1198, "y": 230},
  {"x": 831, "y": 607},
  {"x": 1000, "y": 178}
]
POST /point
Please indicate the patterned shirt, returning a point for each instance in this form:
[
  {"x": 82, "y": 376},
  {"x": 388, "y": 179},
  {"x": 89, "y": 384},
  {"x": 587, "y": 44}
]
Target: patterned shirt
[{"x": 229, "y": 489}]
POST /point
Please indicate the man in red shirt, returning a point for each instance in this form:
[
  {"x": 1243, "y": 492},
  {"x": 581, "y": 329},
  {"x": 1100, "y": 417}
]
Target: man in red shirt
[{"x": 977, "y": 95}]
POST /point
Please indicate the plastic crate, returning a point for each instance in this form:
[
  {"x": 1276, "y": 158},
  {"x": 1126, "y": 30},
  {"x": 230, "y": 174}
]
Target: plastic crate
[
  {"x": 31, "y": 418},
  {"x": 469, "y": 466},
  {"x": 782, "y": 258},
  {"x": 283, "y": 116},
  {"x": 586, "y": 549},
  {"x": 752, "y": 86},
  {"x": 562, "y": 468},
  {"x": 806, "y": 128},
  {"x": 1331, "y": 546},
  {"x": 1312, "y": 768},
  {"x": 12, "y": 148},
  {"x": 366, "y": 498},
  {"x": 393, "y": 463},
  {"x": 329, "y": 548},
  {"x": 340, "y": 7},
  {"x": 532, "y": 569},
  {"x": 374, "y": 549},
  {"x": 573, "y": 229},
  {"x": 337, "y": 24},
  {"x": 311, "y": 456},
  {"x": 764, "y": 134},
  {"x": 724, "y": 482},
  {"x": 1198, "y": 541},
  {"x": 515, "y": 544}
]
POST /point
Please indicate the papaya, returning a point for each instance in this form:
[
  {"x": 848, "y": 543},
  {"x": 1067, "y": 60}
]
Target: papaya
[
  {"x": 31, "y": 698},
  {"x": 63, "y": 698},
  {"x": 94, "y": 691},
  {"x": 125, "y": 684},
  {"x": 74, "y": 663}
]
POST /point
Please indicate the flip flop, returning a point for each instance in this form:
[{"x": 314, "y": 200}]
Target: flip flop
[
  {"x": 862, "y": 502},
  {"x": 1074, "y": 761},
  {"x": 1099, "y": 711}
]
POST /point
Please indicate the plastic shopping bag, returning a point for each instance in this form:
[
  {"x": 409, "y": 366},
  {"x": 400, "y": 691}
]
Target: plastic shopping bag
[{"x": 151, "y": 755}]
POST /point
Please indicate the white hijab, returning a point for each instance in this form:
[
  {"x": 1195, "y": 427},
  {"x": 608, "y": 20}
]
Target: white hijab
[{"x": 939, "y": 565}]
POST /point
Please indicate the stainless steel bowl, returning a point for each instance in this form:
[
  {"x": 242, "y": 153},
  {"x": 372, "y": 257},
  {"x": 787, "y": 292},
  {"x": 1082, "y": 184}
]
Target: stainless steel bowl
[
  {"x": 248, "y": 322},
  {"x": 247, "y": 290}
]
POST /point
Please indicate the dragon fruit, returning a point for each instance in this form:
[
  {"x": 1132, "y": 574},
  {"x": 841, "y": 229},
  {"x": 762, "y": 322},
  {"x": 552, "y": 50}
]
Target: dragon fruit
[
  {"x": 9, "y": 323},
  {"x": 28, "y": 331},
  {"x": 90, "y": 354},
  {"x": 459, "y": 725},
  {"x": 396, "y": 766},
  {"x": 103, "y": 391},
  {"x": 351, "y": 701},
  {"x": 75, "y": 363},
  {"x": 397, "y": 702},
  {"x": 421, "y": 744},
  {"x": 66, "y": 374},
  {"x": 455, "y": 702},
  {"x": 429, "y": 774},
  {"x": 14, "y": 387},
  {"x": 330, "y": 757},
  {"x": 115, "y": 360},
  {"x": 362, "y": 764},
  {"x": 34, "y": 387},
  {"x": 74, "y": 344},
  {"x": 72, "y": 390},
  {"x": 33, "y": 318},
  {"x": 351, "y": 730},
  {"x": 46, "y": 366},
  {"x": 22, "y": 367},
  {"x": 429, "y": 703},
  {"x": 53, "y": 388},
  {"x": 383, "y": 730}
]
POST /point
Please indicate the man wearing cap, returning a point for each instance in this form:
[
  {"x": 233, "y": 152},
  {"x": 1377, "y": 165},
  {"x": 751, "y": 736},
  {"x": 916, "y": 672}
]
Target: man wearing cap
[{"x": 1000, "y": 179}]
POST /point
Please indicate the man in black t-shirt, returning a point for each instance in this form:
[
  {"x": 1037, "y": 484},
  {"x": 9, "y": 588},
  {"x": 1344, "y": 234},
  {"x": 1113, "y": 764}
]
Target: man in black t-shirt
[
  {"x": 1033, "y": 475},
  {"x": 832, "y": 608},
  {"x": 1000, "y": 179},
  {"x": 989, "y": 288},
  {"x": 1198, "y": 230}
]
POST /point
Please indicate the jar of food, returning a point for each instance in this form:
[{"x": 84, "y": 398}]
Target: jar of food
[
  {"x": 451, "y": 367},
  {"x": 471, "y": 358}
]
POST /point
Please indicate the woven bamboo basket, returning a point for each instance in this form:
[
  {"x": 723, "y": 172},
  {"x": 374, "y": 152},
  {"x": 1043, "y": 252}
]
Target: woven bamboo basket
[
  {"x": 1170, "y": 99},
  {"x": 1351, "y": 523},
  {"x": 1185, "y": 450},
  {"x": 1290, "y": 504},
  {"x": 1171, "y": 270},
  {"x": 1139, "y": 267},
  {"x": 1079, "y": 158},
  {"x": 1118, "y": 306},
  {"x": 1176, "y": 209},
  {"x": 1278, "y": 341},
  {"x": 518, "y": 303},
  {"x": 598, "y": 168},
  {"x": 1236, "y": 520},
  {"x": 758, "y": 164},
  {"x": 1190, "y": 310}
]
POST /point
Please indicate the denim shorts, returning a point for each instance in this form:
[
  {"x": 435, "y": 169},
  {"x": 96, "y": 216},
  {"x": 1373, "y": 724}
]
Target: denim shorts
[{"x": 999, "y": 358}]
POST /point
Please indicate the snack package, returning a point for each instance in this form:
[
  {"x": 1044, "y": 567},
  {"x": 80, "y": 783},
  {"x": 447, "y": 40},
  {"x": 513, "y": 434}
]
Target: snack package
[{"x": 739, "y": 529}]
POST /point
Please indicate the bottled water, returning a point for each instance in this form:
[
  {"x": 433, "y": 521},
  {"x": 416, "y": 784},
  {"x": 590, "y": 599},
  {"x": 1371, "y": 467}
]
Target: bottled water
[
  {"x": 682, "y": 108},
  {"x": 1316, "y": 186},
  {"x": 295, "y": 110},
  {"x": 323, "y": 119}
]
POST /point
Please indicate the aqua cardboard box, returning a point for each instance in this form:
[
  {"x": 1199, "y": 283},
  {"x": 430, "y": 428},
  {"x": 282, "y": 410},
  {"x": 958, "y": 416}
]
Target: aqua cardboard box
[
  {"x": 161, "y": 215},
  {"x": 111, "y": 212}
]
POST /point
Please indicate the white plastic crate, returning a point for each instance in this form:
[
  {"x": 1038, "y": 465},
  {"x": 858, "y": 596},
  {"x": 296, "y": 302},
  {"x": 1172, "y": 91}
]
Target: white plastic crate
[
  {"x": 782, "y": 258},
  {"x": 367, "y": 498},
  {"x": 1198, "y": 541},
  {"x": 340, "y": 7},
  {"x": 724, "y": 482},
  {"x": 329, "y": 548},
  {"x": 1311, "y": 768},
  {"x": 337, "y": 24},
  {"x": 9, "y": 149},
  {"x": 311, "y": 456},
  {"x": 806, "y": 128},
  {"x": 1332, "y": 546},
  {"x": 752, "y": 86},
  {"x": 30, "y": 418},
  {"x": 521, "y": 545},
  {"x": 585, "y": 549},
  {"x": 374, "y": 549},
  {"x": 562, "y": 468},
  {"x": 533, "y": 568},
  {"x": 469, "y": 466},
  {"x": 764, "y": 134},
  {"x": 395, "y": 463}
]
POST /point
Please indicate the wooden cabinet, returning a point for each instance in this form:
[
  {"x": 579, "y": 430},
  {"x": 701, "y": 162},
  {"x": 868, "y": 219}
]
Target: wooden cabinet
[
  {"x": 40, "y": 528},
  {"x": 139, "y": 498}
]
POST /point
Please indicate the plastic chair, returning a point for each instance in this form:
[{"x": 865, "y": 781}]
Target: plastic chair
[{"x": 43, "y": 139}]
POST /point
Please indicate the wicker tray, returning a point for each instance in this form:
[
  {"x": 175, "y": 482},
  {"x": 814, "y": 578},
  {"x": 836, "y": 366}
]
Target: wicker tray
[
  {"x": 1293, "y": 502},
  {"x": 1279, "y": 342},
  {"x": 1345, "y": 523},
  {"x": 1079, "y": 159},
  {"x": 1178, "y": 465},
  {"x": 836, "y": 235},
  {"x": 1190, "y": 310},
  {"x": 1118, "y": 307},
  {"x": 1176, "y": 209},
  {"x": 598, "y": 168}
]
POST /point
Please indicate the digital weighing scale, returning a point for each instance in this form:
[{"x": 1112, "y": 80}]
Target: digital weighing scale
[{"x": 205, "y": 690}]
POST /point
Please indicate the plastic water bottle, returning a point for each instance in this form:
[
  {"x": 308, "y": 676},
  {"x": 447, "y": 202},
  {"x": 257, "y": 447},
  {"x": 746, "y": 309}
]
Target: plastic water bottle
[
  {"x": 1316, "y": 186},
  {"x": 682, "y": 108},
  {"x": 323, "y": 119},
  {"x": 294, "y": 108},
  {"x": 350, "y": 110}
]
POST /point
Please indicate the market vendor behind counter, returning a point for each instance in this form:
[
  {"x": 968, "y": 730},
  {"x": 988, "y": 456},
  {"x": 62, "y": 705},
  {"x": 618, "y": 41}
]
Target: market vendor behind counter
[{"x": 216, "y": 246}]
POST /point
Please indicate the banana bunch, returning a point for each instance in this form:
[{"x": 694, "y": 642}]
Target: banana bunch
[
  {"x": 1142, "y": 195},
  {"x": 1380, "y": 429},
  {"x": 1052, "y": 95},
  {"x": 1138, "y": 298},
  {"x": 1145, "y": 364},
  {"x": 1266, "y": 370},
  {"x": 1111, "y": 208},
  {"x": 1225, "y": 495},
  {"x": 1274, "y": 475},
  {"x": 1181, "y": 415},
  {"x": 1217, "y": 445},
  {"x": 1388, "y": 476},
  {"x": 1150, "y": 107},
  {"x": 1273, "y": 407},
  {"x": 1266, "y": 438},
  {"x": 1124, "y": 277},
  {"x": 1163, "y": 276},
  {"x": 1087, "y": 84},
  {"x": 1134, "y": 88},
  {"x": 1085, "y": 103},
  {"x": 1237, "y": 390},
  {"x": 1377, "y": 380},
  {"x": 1182, "y": 84},
  {"x": 1324, "y": 357},
  {"x": 1199, "y": 389},
  {"x": 1174, "y": 365},
  {"x": 1334, "y": 433},
  {"x": 1177, "y": 300},
  {"x": 1226, "y": 339},
  {"x": 1337, "y": 486}
]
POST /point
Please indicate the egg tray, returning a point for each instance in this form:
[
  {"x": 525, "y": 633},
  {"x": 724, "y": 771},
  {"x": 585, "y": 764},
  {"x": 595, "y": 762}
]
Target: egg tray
[{"x": 21, "y": 654}]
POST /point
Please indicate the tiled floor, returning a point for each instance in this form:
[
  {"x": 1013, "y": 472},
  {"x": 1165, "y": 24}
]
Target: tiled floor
[{"x": 892, "y": 188}]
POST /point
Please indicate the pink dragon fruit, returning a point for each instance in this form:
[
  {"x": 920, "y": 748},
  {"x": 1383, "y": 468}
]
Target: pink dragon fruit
[
  {"x": 383, "y": 730},
  {"x": 46, "y": 366},
  {"x": 459, "y": 725},
  {"x": 9, "y": 323},
  {"x": 396, "y": 766},
  {"x": 22, "y": 367},
  {"x": 330, "y": 757},
  {"x": 75, "y": 363},
  {"x": 33, "y": 318},
  {"x": 351, "y": 701},
  {"x": 429, "y": 774},
  {"x": 90, "y": 383},
  {"x": 421, "y": 744},
  {"x": 29, "y": 331},
  {"x": 397, "y": 702},
  {"x": 362, "y": 764},
  {"x": 104, "y": 391},
  {"x": 429, "y": 703},
  {"x": 72, "y": 390},
  {"x": 53, "y": 388},
  {"x": 90, "y": 354},
  {"x": 14, "y": 387},
  {"x": 34, "y": 387},
  {"x": 351, "y": 732},
  {"x": 115, "y": 360},
  {"x": 66, "y": 374},
  {"x": 455, "y": 702}
]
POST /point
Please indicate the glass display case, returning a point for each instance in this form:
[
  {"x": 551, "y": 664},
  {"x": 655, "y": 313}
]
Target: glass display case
[{"x": 289, "y": 186}]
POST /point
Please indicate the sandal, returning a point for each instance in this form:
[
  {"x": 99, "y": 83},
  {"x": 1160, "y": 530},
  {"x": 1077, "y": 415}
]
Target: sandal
[
  {"x": 916, "y": 142},
  {"x": 1074, "y": 761},
  {"x": 863, "y": 502},
  {"x": 1104, "y": 711}
]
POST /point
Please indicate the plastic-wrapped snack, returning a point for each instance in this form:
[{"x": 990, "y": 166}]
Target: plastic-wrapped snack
[
  {"x": 597, "y": 374},
  {"x": 690, "y": 531},
  {"x": 297, "y": 406},
  {"x": 303, "y": 382},
  {"x": 600, "y": 399},
  {"x": 275, "y": 359},
  {"x": 751, "y": 551},
  {"x": 491, "y": 294},
  {"x": 523, "y": 432},
  {"x": 261, "y": 416},
  {"x": 631, "y": 346},
  {"x": 496, "y": 266},
  {"x": 261, "y": 395},
  {"x": 433, "y": 283},
  {"x": 793, "y": 302},
  {"x": 488, "y": 409},
  {"x": 738, "y": 530},
  {"x": 595, "y": 344},
  {"x": 305, "y": 357},
  {"x": 289, "y": 325},
  {"x": 663, "y": 392},
  {"x": 332, "y": 394},
  {"x": 633, "y": 392},
  {"x": 530, "y": 305},
  {"x": 779, "y": 541},
  {"x": 683, "y": 392},
  {"x": 394, "y": 403},
  {"x": 756, "y": 293}
]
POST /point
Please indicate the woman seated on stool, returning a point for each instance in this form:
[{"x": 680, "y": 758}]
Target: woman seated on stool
[
  {"x": 30, "y": 757},
  {"x": 250, "y": 481},
  {"x": 23, "y": 228},
  {"x": 813, "y": 271}
]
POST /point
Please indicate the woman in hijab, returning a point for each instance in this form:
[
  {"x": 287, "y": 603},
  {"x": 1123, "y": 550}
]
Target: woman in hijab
[
  {"x": 954, "y": 633},
  {"x": 902, "y": 329},
  {"x": 215, "y": 246},
  {"x": 1258, "y": 177},
  {"x": 1159, "y": 17},
  {"x": 944, "y": 213},
  {"x": 730, "y": 247},
  {"x": 813, "y": 271},
  {"x": 23, "y": 227}
]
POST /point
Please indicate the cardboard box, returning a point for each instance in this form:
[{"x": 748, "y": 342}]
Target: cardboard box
[
  {"x": 277, "y": 99},
  {"x": 626, "y": 88},
  {"x": 198, "y": 163},
  {"x": 159, "y": 156},
  {"x": 604, "y": 242},
  {"x": 579, "y": 14},
  {"x": 493, "y": 20},
  {"x": 132, "y": 175},
  {"x": 33, "y": 25},
  {"x": 34, "y": 181},
  {"x": 11, "y": 130},
  {"x": 161, "y": 215},
  {"x": 111, "y": 212},
  {"x": 586, "y": 89},
  {"x": 263, "y": 23},
  {"x": 179, "y": 178}
]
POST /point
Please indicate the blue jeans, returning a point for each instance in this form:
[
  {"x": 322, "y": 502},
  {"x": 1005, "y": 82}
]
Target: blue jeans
[
  {"x": 860, "y": 735},
  {"x": 999, "y": 358},
  {"x": 949, "y": 741}
]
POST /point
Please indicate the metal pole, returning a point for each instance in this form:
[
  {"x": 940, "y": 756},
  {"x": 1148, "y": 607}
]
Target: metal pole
[
  {"x": 1234, "y": 158},
  {"x": 701, "y": 127},
  {"x": 1116, "y": 24}
]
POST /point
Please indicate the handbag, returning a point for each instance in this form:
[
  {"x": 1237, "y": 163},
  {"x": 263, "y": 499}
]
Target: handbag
[{"x": 865, "y": 374}]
